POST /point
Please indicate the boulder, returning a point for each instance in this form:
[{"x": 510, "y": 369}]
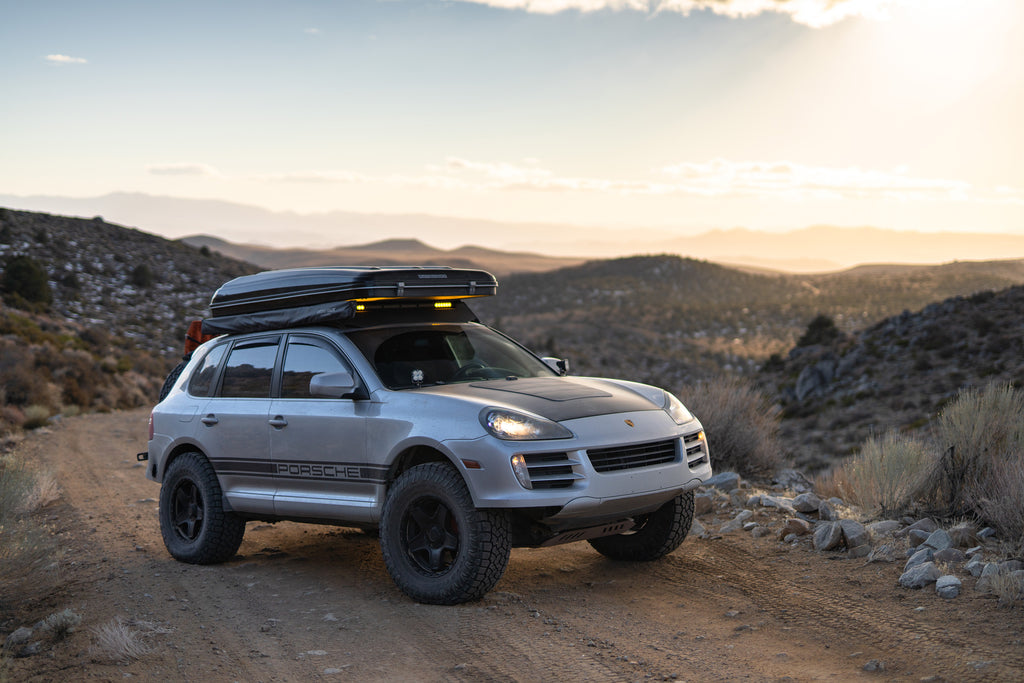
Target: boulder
[
  {"x": 724, "y": 481},
  {"x": 859, "y": 551},
  {"x": 854, "y": 533},
  {"x": 920, "y": 557},
  {"x": 917, "y": 536},
  {"x": 784, "y": 504},
  {"x": 806, "y": 502},
  {"x": 939, "y": 540},
  {"x": 920, "y": 575},
  {"x": 883, "y": 528},
  {"x": 702, "y": 504},
  {"x": 947, "y": 587},
  {"x": 883, "y": 553},
  {"x": 927, "y": 525},
  {"x": 795, "y": 525},
  {"x": 828, "y": 536},
  {"x": 737, "y": 522},
  {"x": 827, "y": 512},
  {"x": 951, "y": 556}
]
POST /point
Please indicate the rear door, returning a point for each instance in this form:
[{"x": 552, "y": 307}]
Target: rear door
[
  {"x": 318, "y": 445},
  {"x": 235, "y": 431}
]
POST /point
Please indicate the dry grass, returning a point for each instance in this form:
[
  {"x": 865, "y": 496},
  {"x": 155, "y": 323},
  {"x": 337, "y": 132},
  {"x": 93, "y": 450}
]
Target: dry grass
[
  {"x": 117, "y": 642},
  {"x": 741, "y": 423},
  {"x": 1008, "y": 587},
  {"x": 25, "y": 547},
  {"x": 884, "y": 476}
]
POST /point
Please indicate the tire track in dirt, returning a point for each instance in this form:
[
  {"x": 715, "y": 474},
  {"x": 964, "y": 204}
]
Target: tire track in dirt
[{"x": 303, "y": 602}]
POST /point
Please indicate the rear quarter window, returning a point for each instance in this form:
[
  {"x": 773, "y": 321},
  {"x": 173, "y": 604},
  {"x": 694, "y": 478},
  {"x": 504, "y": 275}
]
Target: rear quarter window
[{"x": 204, "y": 377}]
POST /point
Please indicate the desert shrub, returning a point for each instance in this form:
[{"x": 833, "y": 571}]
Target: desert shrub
[
  {"x": 60, "y": 624},
  {"x": 36, "y": 416},
  {"x": 25, "y": 547},
  {"x": 741, "y": 423},
  {"x": 25, "y": 281},
  {"x": 821, "y": 330},
  {"x": 884, "y": 477},
  {"x": 142, "y": 276},
  {"x": 976, "y": 431}
]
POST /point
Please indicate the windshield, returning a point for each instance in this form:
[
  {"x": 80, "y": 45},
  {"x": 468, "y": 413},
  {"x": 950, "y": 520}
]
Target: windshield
[{"x": 409, "y": 356}]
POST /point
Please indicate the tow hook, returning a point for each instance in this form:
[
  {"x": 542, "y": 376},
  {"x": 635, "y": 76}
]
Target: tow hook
[{"x": 142, "y": 457}]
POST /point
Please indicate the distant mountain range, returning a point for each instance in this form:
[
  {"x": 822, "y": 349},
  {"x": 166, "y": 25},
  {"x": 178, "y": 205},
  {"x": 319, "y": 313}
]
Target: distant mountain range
[
  {"x": 386, "y": 253},
  {"x": 811, "y": 249}
]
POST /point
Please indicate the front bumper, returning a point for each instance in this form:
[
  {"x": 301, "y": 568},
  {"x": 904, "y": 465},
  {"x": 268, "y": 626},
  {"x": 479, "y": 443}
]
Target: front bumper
[{"x": 609, "y": 470}]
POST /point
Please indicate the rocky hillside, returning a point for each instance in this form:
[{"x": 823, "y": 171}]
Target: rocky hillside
[
  {"x": 93, "y": 314},
  {"x": 897, "y": 373},
  {"x": 671, "y": 321},
  {"x": 133, "y": 284}
]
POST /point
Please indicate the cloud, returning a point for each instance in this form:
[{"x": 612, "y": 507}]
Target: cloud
[
  {"x": 813, "y": 13},
  {"x": 184, "y": 169},
  {"x": 312, "y": 31},
  {"x": 720, "y": 177},
  {"x": 715, "y": 179},
  {"x": 64, "y": 59},
  {"x": 316, "y": 177}
]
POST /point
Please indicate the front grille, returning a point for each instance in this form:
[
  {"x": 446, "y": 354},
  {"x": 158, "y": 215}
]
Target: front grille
[
  {"x": 551, "y": 470},
  {"x": 696, "y": 453},
  {"x": 632, "y": 457}
]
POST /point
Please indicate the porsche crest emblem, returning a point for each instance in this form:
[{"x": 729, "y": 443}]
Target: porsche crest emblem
[{"x": 630, "y": 423}]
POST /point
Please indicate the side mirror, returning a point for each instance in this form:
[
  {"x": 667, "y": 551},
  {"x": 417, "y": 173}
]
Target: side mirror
[
  {"x": 332, "y": 384},
  {"x": 559, "y": 365}
]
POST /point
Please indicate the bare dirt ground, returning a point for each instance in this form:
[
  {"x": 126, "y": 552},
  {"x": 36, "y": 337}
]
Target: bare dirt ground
[{"x": 303, "y": 602}]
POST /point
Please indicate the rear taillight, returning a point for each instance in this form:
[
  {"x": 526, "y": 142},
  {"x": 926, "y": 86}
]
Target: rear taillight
[{"x": 151, "y": 426}]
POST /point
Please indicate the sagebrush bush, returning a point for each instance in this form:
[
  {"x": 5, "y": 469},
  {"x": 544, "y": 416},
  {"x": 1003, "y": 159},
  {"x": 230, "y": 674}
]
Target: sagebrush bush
[
  {"x": 25, "y": 547},
  {"x": 885, "y": 476},
  {"x": 36, "y": 416},
  {"x": 742, "y": 425},
  {"x": 977, "y": 471}
]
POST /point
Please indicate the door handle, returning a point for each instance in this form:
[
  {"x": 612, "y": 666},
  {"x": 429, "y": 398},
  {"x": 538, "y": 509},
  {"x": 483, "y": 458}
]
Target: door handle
[
  {"x": 210, "y": 420},
  {"x": 278, "y": 422}
]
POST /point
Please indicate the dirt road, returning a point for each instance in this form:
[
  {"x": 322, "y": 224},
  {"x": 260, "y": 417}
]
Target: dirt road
[{"x": 305, "y": 602}]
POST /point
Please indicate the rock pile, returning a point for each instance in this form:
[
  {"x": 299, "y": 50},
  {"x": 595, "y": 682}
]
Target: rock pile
[{"x": 937, "y": 558}]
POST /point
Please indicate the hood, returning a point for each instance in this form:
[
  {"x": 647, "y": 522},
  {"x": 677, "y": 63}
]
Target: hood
[{"x": 558, "y": 398}]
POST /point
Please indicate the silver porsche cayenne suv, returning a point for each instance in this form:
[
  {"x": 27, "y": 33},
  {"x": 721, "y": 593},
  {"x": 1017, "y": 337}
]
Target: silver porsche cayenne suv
[{"x": 410, "y": 418}]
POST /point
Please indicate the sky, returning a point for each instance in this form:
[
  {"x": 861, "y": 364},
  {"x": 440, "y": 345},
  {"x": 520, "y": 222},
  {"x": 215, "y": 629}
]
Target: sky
[{"x": 686, "y": 115}]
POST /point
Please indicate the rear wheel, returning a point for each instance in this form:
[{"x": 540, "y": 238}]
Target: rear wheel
[
  {"x": 193, "y": 522},
  {"x": 657, "y": 534},
  {"x": 437, "y": 546}
]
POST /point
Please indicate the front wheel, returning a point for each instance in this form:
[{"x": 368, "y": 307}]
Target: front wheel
[
  {"x": 657, "y": 534},
  {"x": 193, "y": 522},
  {"x": 438, "y": 547}
]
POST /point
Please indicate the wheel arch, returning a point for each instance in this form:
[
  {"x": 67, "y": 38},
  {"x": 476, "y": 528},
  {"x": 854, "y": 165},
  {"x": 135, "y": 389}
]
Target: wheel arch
[
  {"x": 174, "y": 454},
  {"x": 418, "y": 454}
]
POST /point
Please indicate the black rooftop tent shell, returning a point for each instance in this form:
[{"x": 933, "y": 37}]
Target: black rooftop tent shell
[{"x": 277, "y": 299}]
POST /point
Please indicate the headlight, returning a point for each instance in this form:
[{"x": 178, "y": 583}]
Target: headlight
[
  {"x": 676, "y": 410},
  {"x": 510, "y": 425}
]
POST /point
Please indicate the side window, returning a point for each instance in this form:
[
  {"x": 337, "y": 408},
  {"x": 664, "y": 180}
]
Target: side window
[
  {"x": 249, "y": 369},
  {"x": 305, "y": 358},
  {"x": 204, "y": 376}
]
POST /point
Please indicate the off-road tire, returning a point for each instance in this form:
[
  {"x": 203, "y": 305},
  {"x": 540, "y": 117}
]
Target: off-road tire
[
  {"x": 172, "y": 377},
  {"x": 660, "y": 533},
  {"x": 193, "y": 522},
  {"x": 439, "y": 548}
]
